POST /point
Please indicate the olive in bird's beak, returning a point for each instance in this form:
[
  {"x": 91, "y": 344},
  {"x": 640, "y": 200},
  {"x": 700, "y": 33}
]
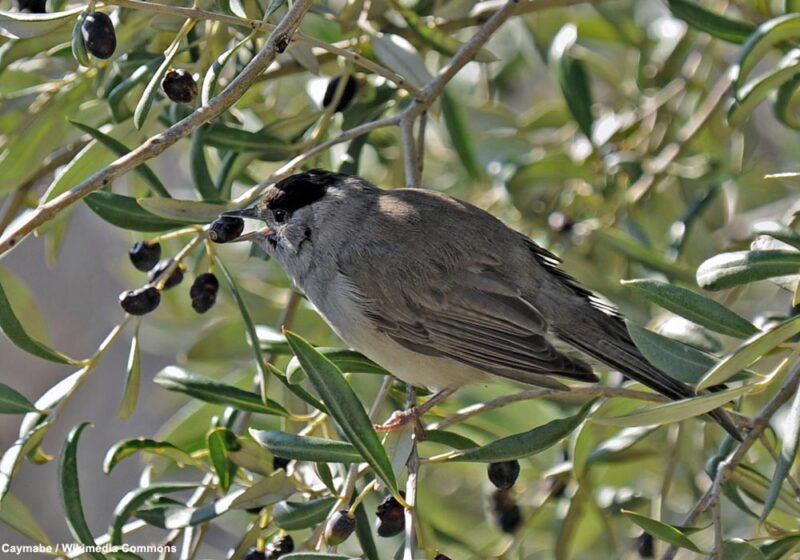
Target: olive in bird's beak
[{"x": 229, "y": 226}]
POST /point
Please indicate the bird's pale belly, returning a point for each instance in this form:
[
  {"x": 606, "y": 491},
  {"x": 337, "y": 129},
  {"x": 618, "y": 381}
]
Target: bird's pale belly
[{"x": 356, "y": 330}]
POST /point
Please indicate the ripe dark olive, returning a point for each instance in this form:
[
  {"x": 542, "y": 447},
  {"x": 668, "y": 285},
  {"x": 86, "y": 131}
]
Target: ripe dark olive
[
  {"x": 179, "y": 86},
  {"x": 98, "y": 35},
  {"x": 141, "y": 301},
  {"x": 349, "y": 92},
  {"x": 174, "y": 279},
  {"x": 441, "y": 556},
  {"x": 32, "y": 6},
  {"x": 506, "y": 511},
  {"x": 280, "y": 546},
  {"x": 503, "y": 474},
  {"x": 279, "y": 463},
  {"x": 644, "y": 545},
  {"x": 144, "y": 255},
  {"x": 204, "y": 292},
  {"x": 339, "y": 528},
  {"x": 255, "y": 554},
  {"x": 225, "y": 229},
  {"x": 391, "y": 517}
]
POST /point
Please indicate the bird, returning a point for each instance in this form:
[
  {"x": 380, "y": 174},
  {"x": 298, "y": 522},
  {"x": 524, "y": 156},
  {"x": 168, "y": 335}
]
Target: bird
[{"x": 441, "y": 293}]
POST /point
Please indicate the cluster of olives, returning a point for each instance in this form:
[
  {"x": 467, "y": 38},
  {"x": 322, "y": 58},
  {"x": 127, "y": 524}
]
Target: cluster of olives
[
  {"x": 506, "y": 511},
  {"x": 281, "y": 545},
  {"x": 146, "y": 256}
]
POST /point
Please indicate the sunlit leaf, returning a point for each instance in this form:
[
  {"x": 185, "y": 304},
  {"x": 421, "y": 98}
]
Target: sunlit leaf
[
  {"x": 743, "y": 267},
  {"x": 526, "y": 443},
  {"x": 662, "y": 531},
  {"x": 22, "y": 25},
  {"x": 69, "y": 490},
  {"x": 135, "y": 499},
  {"x": 293, "y": 516},
  {"x": 129, "y": 447},
  {"x": 343, "y": 405},
  {"x": 306, "y": 448},
  {"x": 12, "y": 402},
  {"x": 791, "y": 440},
  {"x": 130, "y": 394},
  {"x": 17, "y": 516}
]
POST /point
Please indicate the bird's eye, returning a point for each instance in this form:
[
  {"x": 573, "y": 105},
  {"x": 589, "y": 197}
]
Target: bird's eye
[{"x": 280, "y": 215}]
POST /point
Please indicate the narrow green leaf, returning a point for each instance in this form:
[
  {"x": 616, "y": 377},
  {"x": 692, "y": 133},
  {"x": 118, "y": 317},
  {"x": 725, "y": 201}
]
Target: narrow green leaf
[
  {"x": 251, "y": 456},
  {"x": 781, "y": 548},
  {"x": 786, "y": 102},
  {"x": 174, "y": 378},
  {"x": 637, "y": 251},
  {"x": 778, "y": 230},
  {"x": 262, "y": 143},
  {"x": 791, "y": 441},
  {"x": 681, "y": 361},
  {"x": 436, "y": 38},
  {"x": 749, "y": 352},
  {"x": 270, "y": 490},
  {"x": 572, "y": 78},
  {"x": 130, "y": 394},
  {"x": 17, "y": 516},
  {"x": 199, "y": 168},
  {"x": 747, "y": 97},
  {"x": 12, "y": 402},
  {"x": 460, "y": 135},
  {"x": 16, "y": 333},
  {"x": 721, "y": 27},
  {"x": 662, "y": 531},
  {"x": 620, "y": 444},
  {"x": 120, "y": 150},
  {"x": 343, "y": 405},
  {"x": 134, "y": 499},
  {"x": 364, "y": 534},
  {"x": 116, "y": 97},
  {"x": 150, "y": 90},
  {"x": 125, "y": 212},
  {"x": 218, "y": 442},
  {"x": 765, "y": 38},
  {"x": 128, "y": 447},
  {"x": 274, "y": 6},
  {"x": 184, "y": 210},
  {"x": 757, "y": 486},
  {"x": 23, "y": 25},
  {"x": 349, "y": 361},
  {"x": 695, "y": 307},
  {"x": 675, "y": 411},
  {"x": 209, "y": 86},
  {"x": 742, "y": 267},
  {"x": 252, "y": 334},
  {"x": 451, "y": 439},
  {"x": 17, "y": 451},
  {"x": 526, "y": 443},
  {"x": 79, "y": 52},
  {"x": 69, "y": 490},
  {"x": 303, "y": 448},
  {"x": 292, "y": 516},
  {"x": 737, "y": 549},
  {"x": 400, "y": 56}
]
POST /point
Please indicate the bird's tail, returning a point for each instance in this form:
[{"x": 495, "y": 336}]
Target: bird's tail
[{"x": 613, "y": 346}]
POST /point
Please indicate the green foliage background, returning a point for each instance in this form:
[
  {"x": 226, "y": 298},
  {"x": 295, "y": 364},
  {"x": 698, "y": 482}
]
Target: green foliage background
[{"x": 638, "y": 140}]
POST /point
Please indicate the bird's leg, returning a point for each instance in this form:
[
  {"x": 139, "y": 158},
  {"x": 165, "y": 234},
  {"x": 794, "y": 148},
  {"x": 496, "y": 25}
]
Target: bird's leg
[{"x": 400, "y": 418}]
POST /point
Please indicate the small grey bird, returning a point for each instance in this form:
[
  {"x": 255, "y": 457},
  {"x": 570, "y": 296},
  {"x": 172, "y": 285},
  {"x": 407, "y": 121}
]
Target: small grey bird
[{"x": 440, "y": 292}]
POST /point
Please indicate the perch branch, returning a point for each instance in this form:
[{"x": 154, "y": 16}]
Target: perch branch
[{"x": 153, "y": 146}]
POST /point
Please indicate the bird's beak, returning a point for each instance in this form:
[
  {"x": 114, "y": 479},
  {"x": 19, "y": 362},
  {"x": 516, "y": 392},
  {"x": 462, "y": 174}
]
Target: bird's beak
[
  {"x": 249, "y": 213},
  {"x": 257, "y": 235}
]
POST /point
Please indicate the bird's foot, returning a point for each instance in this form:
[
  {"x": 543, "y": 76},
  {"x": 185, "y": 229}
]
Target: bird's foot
[{"x": 400, "y": 418}]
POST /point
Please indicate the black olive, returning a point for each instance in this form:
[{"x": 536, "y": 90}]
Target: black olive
[
  {"x": 145, "y": 254},
  {"x": 204, "y": 292},
  {"x": 179, "y": 85},
  {"x": 255, "y": 554},
  {"x": 32, "y": 6},
  {"x": 141, "y": 301},
  {"x": 506, "y": 511},
  {"x": 174, "y": 279},
  {"x": 350, "y": 89},
  {"x": 644, "y": 545},
  {"x": 441, "y": 556},
  {"x": 391, "y": 517},
  {"x": 279, "y": 463},
  {"x": 503, "y": 474},
  {"x": 339, "y": 528},
  {"x": 98, "y": 35},
  {"x": 225, "y": 229},
  {"x": 280, "y": 546}
]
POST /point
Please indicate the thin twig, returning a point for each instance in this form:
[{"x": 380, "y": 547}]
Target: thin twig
[
  {"x": 412, "y": 464},
  {"x": 411, "y": 152},
  {"x": 155, "y": 145},
  {"x": 727, "y": 466}
]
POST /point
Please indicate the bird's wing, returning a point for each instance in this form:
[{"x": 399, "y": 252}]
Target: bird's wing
[{"x": 469, "y": 314}]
